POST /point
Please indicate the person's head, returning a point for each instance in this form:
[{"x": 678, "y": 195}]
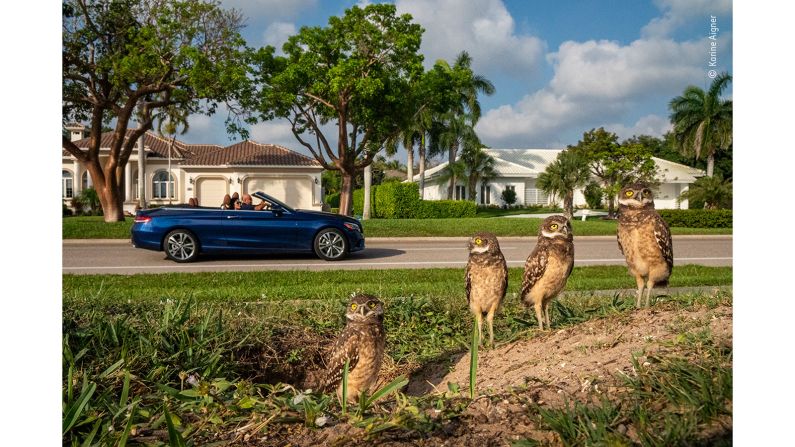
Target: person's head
[
  {"x": 227, "y": 200},
  {"x": 235, "y": 196},
  {"x": 247, "y": 198}
]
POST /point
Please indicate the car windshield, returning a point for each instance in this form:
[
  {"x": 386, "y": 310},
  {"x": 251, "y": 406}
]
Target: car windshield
[{"x": 262, "y": 196}]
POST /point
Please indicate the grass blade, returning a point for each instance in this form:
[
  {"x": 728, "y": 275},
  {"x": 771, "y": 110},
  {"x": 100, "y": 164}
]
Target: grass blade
[
  {"x": 76, "y": 409},
  {"x": 126, "y": 433},
  {"x": 473, "y": 361},
  {"x": 174, "y": 438},
  {"x": 396, "y": 384},
  {"x": 345, "y": 387},
  {"x": 90, "y": 437},
  {"x": 125, "y": 389}
]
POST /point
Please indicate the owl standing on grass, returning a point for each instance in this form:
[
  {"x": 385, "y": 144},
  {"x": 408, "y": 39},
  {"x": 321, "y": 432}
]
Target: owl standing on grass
[
  {"x": 644, "y": 239},
  {"x": 361, "y": 343},
  {"x": 486, "y": 280},
  {"x": 548, "y": 267}
]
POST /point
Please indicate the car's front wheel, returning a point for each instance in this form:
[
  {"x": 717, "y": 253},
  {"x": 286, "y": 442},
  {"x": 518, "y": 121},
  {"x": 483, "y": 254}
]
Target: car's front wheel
[
  {"x": 331, "y": 245},
  {"x": 181, "y": 246}
]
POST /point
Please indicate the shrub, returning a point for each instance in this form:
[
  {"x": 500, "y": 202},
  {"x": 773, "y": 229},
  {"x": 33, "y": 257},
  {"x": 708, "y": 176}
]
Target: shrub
[
  {"x": 697, "y": 218},
  {"x": 395, "y": 200},
  {"x": 593, "y": 195},
  {"x": 508, "y": 196},
  {"x": 333, "y": 200},
  {"x": 66, "y": 210},
  {"x": 438, "y": 209}
]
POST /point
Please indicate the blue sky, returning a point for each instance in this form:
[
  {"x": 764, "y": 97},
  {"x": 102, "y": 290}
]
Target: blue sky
[{"x": 559, "y": 68}]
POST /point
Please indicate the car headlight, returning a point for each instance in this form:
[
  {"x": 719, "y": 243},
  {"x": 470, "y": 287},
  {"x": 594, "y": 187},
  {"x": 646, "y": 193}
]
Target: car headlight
[{"x": 352, "y": 227}]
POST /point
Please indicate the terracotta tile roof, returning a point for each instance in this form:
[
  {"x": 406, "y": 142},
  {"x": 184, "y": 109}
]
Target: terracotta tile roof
[
  {"x": 250, "y": 153},
  {"x": 245, "y": 153}
]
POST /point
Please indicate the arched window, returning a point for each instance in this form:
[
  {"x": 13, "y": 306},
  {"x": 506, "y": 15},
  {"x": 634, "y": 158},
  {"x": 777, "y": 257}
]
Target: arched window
[
  {"x": 67, "y": 185},
  {"x": 162, "y": 185},
  {"x": 86, "y": 181}
]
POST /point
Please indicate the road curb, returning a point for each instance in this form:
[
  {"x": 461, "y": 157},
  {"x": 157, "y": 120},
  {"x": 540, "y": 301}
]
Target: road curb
[{"x": 430, "y": 239}]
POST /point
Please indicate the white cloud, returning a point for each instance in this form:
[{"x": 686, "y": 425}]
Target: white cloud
[
  {"x": 276, "y": 34},
  {"x": 485, "y": 29},
  {"x": 653, "y": 125},
  {"x": 679, "y": 12},
  {"x": 607, "y": 70},
  {"x": 595, "y": 83}
]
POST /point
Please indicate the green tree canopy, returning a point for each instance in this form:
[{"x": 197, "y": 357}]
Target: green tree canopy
[
  {"x": 353, "y": 72},
  {"x": 613, "y": 164},
  {"x": 127, "y": 60}
]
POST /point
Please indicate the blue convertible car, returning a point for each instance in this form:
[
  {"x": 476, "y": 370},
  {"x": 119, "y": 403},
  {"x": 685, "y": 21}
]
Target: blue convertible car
[{"x": 184, "y": 232}]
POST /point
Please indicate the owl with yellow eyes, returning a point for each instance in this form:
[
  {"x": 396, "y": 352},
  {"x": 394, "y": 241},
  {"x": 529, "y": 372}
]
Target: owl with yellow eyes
[
  {"x": 548, "y": 267},
  {"x": 644, "y": 239},
  {"x": 486, "y": 280},
  {"x": 361, "y": 344}
]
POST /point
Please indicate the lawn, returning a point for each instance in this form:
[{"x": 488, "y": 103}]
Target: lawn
[
  {"x": 133, "y": 344},
  {"x": 93, "y": 227}
]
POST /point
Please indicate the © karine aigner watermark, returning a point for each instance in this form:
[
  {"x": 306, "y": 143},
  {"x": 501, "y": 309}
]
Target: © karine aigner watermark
[{"x": 713, "y": 47}]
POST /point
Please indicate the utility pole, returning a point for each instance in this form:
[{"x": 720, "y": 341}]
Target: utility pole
[{"x": 368, "y": 180}]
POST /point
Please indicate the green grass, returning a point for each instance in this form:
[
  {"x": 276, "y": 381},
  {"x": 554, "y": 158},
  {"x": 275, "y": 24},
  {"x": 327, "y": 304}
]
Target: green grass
[
  {"x": 93, "y": 227},
  {"x": 499, "y": 212},
  {"x": 191, "y": 355},
  {"x": 242, "y": 287}
]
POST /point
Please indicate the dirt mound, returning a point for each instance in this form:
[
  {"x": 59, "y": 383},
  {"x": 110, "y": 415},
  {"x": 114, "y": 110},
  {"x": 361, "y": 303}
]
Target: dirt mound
[{"x": 578, "y": 360}]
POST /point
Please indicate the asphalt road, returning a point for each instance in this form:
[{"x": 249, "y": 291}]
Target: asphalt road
[{"x": 118, "y": 256}]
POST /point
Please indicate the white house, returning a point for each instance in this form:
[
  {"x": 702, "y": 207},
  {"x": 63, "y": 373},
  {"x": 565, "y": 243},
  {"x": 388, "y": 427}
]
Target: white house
[
  {"x": 206, "y": 172},
  {"x": 518, "y": 169}
]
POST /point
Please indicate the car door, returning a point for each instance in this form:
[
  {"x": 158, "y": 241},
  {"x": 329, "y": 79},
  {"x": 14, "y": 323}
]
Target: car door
[{"x": 260, "y": 230}]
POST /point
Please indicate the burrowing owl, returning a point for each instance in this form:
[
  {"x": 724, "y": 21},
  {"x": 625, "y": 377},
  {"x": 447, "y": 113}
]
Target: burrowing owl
[
  {"x": 486, "y": 280},
  {"x": 644, "y": 239},
  {"x": 548, "y": 266},
  {"x": 361, "y": 343}
]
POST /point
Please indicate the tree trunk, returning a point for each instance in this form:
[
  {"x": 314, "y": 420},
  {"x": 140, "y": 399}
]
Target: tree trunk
[
  {"x": 610, "y": 206},
  {"x": 410, "y": 163},
  {"x": 710, "y": 164},
  {"x": 422, "y": 167},
  {"x": 473, "y": 192},
  {"x": 368, "y": 180},
  {"x": 111, "y": 200},
  {"x": 568, "y": 204},
  {"x": 346, "y": 194},
  {"x": 450, "y": 160}
]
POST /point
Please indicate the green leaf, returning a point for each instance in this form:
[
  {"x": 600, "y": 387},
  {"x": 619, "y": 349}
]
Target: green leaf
[
  {"x": 76, "y": 410},
  {"x": 174, "y": 437},
  {"x": 393, "y": 386},
  {"x": 126, "y": 433},
  {"x": 111, "y": 369},
  {"x": 344, "y": 402},
  {"x": 473, "y": 361}
]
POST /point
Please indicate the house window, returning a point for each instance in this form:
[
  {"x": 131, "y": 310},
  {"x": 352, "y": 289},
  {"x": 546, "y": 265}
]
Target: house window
[
  {"x": 485, "y": 195},
  {"x": 163, "y": 185},
  {"x": 511, "y": 187},
  {"x": 460, "y": 192},
  {"x": 67, "y": 185},
  {"x": 86, "y": 181}
]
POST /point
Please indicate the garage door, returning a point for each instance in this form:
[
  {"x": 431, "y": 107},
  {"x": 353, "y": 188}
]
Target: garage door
[
  {"x": 210, "y": 191},
  {"x": 295, "y": 192}
]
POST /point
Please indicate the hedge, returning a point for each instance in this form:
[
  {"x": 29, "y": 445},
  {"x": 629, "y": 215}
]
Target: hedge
[
  {"x": 697, "y": 218},
  {"x": 394, "y": 200},
  {"x": 333, "y": 200}
]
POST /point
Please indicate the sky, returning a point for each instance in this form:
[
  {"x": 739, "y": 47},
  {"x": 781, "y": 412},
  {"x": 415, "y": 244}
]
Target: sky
[{"x": 559, "y": 68}]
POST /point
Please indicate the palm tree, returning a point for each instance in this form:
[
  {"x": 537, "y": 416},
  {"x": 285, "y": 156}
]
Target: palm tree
[
  {"x": 460, "y": 120},
  {"x": 714, "y": 192},
  {"x": 702, "y": 121},
  {"x": 452, "y": 171},
  {"x": 453, "y": 131},
  {"x": 478, "y": 165},
  {"x": 561, "y": 177}
]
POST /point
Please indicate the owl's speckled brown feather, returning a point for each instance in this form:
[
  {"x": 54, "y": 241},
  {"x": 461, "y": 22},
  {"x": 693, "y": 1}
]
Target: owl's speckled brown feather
[
  {"x": 644, "y": 239},
  {"x": 486, "y": 279},
  {"x": 548, "y": 267},
  {"x": 361, "y": 343}
]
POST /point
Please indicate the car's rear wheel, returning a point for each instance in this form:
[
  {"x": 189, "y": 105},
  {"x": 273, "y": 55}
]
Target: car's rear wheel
[
  {"x": 181, "y": 246},
  {"x": 331, "y": 245}
]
